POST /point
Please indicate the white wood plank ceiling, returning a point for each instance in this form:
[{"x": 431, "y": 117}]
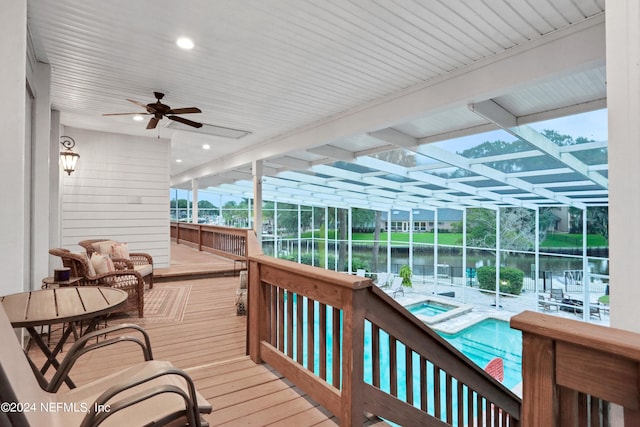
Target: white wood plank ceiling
[{"x": 320, "y": 81}]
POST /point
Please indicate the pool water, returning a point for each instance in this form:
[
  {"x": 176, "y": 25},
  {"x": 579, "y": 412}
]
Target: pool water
[
  {"x": 429, "y": 308},
  {"x": 491, "y": 338}
]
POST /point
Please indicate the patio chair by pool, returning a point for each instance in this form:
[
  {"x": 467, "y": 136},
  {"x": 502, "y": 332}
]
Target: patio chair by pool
[
  {"x": 495, "y": 368},
  {"x": 396, "y": 287},
  {"x": 382, "y": 279},
  {"x": 556, "y": 294},
  {"x": 138, "y": 261},
  {"x": 147, "y": 393},
  {"x": 547, "y": 304}
]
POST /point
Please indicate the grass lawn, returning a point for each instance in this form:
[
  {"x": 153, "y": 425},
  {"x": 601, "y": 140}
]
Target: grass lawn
[{"x": 552, "y": 240}]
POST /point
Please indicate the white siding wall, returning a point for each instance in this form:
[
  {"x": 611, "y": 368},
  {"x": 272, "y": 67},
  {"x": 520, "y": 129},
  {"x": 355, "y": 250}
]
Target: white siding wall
[{"x": 120, "y": 190}]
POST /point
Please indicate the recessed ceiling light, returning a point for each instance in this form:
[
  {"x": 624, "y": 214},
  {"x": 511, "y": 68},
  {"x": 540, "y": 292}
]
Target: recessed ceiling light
[
  {"x": 206, "y": 146},
  {"x": 185, "y": 43},
  {"x": 178, "y": 160},
  {"x": 138, "y": 118}
]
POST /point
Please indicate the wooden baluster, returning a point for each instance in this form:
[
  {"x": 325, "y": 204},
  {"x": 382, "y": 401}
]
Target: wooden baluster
[
  {"x": 336, "y": 359},
  {"x": 311, "y": 334},
  {"x": 322, "y": 326},
  {"x": 460, "y": 401},
  {"x": 479, "y": 408},
  {"x": 449, "y": 397},
  {"x": 424, "y": 389},
  {"x": 375, "y": 354},
  {"x": 281, "y": 319},
  {"x": 299, "y": 328},
  {"x": 393, "y": 366},
  {"x": 470, "y": 414},
  {"x": 436, "y": 392},
  {"x": 408, "y": 356},
  {"x": 290, "y": 297}
]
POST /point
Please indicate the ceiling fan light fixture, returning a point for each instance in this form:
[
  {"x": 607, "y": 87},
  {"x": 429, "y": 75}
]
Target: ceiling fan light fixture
[
  {"x": 185, "y": 43},
  {"x": 138, "y": 118}
]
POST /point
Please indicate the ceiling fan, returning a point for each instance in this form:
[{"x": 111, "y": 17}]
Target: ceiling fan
[{"x": 159, "y": 110}]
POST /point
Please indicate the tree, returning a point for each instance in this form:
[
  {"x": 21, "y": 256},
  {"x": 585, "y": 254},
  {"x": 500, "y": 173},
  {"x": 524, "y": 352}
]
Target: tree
[
  {"x": 288, "y": 218},
  {"x": 236, "y": 213},
  {"x": 376, "y": 238},
  {"x": 363, "y": 219},
  {"x": 517, "y": 227}
]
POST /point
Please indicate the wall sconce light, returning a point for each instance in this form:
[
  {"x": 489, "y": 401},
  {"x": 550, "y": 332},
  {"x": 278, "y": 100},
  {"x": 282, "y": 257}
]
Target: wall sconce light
[{"x": 68, "y": 157}]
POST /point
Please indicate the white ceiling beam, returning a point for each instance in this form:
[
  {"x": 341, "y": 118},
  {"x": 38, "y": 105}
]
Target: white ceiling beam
[
  {"x": 333, "y": 152},
  {"x": 493, "y": 112},
  {"x": 460, "y": 162},
  {"x": 509, "y": 179},
  {"x": 394, "y": 137},
  {"x": 291, "y": 162}
]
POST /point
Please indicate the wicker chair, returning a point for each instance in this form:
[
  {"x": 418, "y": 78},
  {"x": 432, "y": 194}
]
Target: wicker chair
[
  {"x": 123, "y": 278},
  {"x": 139, "y": 261}
]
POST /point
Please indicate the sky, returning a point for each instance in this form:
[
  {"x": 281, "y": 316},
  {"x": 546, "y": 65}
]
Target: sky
[{"x": 592, "y": 125}]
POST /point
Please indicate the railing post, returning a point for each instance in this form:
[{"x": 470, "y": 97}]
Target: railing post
[
  {"x": 539, "y": 390},
  {"x": 256, "y": 316},
  {"x": 353, "y": 360}
]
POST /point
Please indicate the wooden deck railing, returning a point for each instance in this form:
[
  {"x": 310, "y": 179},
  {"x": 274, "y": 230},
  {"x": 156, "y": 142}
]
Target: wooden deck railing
[
  {"x": 228, "y": 242},
  {"x": 572, "y": 371},
  {"x": 354, "y": 350}
]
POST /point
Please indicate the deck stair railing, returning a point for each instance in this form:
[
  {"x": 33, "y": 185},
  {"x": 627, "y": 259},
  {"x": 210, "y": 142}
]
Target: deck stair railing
[
  {"x": 354, "y": 350},
  {"x": 572, "y": 371}
]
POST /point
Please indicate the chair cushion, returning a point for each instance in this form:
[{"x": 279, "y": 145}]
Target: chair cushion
[{"x": 144, "y": 269}]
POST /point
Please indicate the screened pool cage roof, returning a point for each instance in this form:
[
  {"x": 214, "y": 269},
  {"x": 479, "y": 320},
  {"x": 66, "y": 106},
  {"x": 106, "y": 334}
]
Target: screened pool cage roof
[{"x": 515, "y": 166}]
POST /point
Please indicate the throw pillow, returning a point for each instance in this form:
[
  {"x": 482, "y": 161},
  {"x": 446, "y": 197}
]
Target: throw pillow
[
  {"x": 120, "y": 250},
  {"x": 91, "y": 269},
  {"x": 100, "y": 263},
  {"x": 106, "y": 249}
]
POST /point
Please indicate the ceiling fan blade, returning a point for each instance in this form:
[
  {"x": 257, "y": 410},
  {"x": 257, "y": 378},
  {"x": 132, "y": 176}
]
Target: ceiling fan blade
[
  {"x": 125, "y": 114},
  {"x": 153, "y": 123},
  {"x": 186, "y": 121},
  {"x": 148, "y": 108},
  {"x": 184, "y": 110}
]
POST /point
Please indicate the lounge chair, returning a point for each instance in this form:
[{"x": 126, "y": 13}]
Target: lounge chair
[
  {"x": 547, "y": 304},
  {"x": 556, "y": 294},
  {"x": 396, "y": 287},
  {"x": 138, "y": 261},
  {"x": 495, "y": 368},
  {"x": 382, "y": 279},
  {"x": 123, "y": 278},
  {"x": 148, "y": 393}
]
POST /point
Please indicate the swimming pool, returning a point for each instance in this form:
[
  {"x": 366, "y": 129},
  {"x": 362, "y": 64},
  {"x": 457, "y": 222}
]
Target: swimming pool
[
  {"x": 429, "y": 308},
  {"x": 432, "y": 310},
  {"x": 491, "y": 338}
]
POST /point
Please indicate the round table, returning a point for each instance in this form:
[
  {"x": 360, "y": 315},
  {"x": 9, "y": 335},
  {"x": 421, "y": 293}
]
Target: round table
[{"x": 60, "y": 305}]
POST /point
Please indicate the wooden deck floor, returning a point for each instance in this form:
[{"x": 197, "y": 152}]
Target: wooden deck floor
[{"x": 209, "y": 343}]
